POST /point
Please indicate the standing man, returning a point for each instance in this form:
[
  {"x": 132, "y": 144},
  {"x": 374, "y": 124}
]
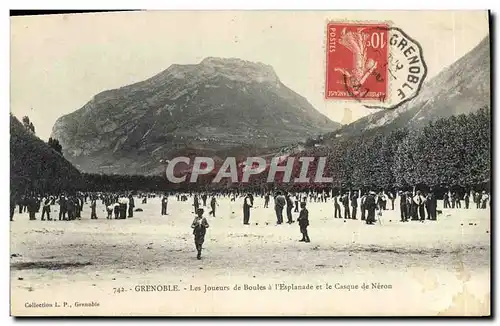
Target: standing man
[
  {"x": 196, "y": 203},
  {"x": 204, "y": 199},
  {"x": 131, "y": 205},
  {"x": 371, "y": 206},
  {"x": 213, "y": 204},
  {"x": 62, "y": 208},
  {"x": 93, "y": 205},
  {"x": 446, "y": 200},
  {"x": 266, "y": 200},
  {"x": 345, "y": 203},
  {"x": 304, "y": 222},
  {"x": 199, "y": 226},
  {"x": 46, "y": 208},
  {"x": 289, "y": 207},
  {"x": 354, "y": 204},
  {"x": 279, "y": 204},
  {"x": 362, "y": 206},
  {"x": 477, "y": 200},
  {"x": 247, "y": 204},
  {"x": 431, "y": 206},
  {"x": 484, "y": 199},
  {"x": 420, "y": 201},
  {"x": 403, "y": 206},
  {"x": 32, "y": 206},
  {"x": 467, "y": 200},
  {"x": 164, "y": 203},
  {"x": 336, "y": 204},
  {"x": 296, "y": 199}
]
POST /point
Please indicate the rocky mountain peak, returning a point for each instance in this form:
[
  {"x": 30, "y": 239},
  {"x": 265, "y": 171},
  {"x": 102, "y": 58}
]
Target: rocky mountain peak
[{"x": 233, "y": 69}]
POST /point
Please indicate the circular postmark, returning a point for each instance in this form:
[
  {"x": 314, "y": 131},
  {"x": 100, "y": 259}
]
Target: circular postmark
[{"x": 378, "y": 65}]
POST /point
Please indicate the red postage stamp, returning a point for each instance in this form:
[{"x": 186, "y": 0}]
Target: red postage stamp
[{"x": 356, "y": 61}]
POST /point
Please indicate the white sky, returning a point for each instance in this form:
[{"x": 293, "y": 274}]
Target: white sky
[{"x": 59, "y": 62}]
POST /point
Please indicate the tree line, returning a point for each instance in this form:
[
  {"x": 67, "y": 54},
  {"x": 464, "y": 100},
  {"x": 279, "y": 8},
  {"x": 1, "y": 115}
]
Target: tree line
[{"x": 450, "y": 153}]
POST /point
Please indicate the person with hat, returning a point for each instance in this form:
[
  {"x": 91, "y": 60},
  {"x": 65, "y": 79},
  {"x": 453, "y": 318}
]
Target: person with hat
[
  {"x": 420, "y": 205},
  {"x": 304, "y": 222},
  {"x": 484, "y": 199},
  {"x": 247, "y": 204},
  {"x": 199, "y": 226},
  {"x": 370, "y": 206}
]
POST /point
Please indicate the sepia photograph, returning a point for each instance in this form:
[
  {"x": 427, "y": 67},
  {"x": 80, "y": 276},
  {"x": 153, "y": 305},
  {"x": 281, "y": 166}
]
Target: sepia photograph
[{"x": 250, "y": 163}]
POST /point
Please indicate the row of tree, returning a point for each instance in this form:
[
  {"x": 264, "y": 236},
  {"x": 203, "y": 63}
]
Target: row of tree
[{"x": 447, "y": 153}]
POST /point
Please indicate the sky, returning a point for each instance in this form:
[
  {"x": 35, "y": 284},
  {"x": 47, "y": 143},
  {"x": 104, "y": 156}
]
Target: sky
[{"x": 59, "y": 62}]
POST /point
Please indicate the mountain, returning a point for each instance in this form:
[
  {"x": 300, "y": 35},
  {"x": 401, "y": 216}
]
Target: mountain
[
  {"x": 216, "y": 108},
  {"x": 35, "y": 166},
  {"x": 463, "y": 87}
]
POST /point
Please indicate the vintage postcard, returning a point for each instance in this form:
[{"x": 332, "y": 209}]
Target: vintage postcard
[{"x": 251, "y": 163}]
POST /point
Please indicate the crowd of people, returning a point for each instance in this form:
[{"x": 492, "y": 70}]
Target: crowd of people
[{"x": 414, "y": 205}]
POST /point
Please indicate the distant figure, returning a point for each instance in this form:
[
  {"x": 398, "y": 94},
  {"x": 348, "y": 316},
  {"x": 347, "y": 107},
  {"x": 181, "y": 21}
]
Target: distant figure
[
  {"x": 46, "y": 208},
  {"x": 200, "y": 226},
  {"x": 345, "y": 203},
  {"x": 204, "y": 199},
  {"x": 446, "y": 200},
  {"x": 336, "y": 204},
  {"x": 62, "y": 208},
  {"x": 289, "y": 207},
  {"x": 419, "y": 200},
  {"x": 279, "y": 204},
  {"x": 93, "y": 214},
  {"x": 131, "y": 206},
  {"x": 403, "y": 206},
  {"x": 109, "y": 210},
  {"x": 484, "y": 200},
  {"x": 196, "y": 203},
  {"x": 392, "y": 197},
  {"x": 354, "y": 204},
  {"x": 164, "y": 203},
  {"x": 467, "y": 200},
  {"x": 247, "y": 204},
  {"x": 304, "y": 222},
  {"x": 296, "y": 200},
  {"x": 362, "y": 207},
  {"x": 477, "y": 200},
  {"x": 431, "y": 206},
  {"x": 116, "y": 209},
  {"x": 123, "y": 201},
  {"x": 213, "y": 204},
  {"x": 32, "y": 207},
  {"x": 266, "y": 200},
  {"x": 370, "y": 206}
]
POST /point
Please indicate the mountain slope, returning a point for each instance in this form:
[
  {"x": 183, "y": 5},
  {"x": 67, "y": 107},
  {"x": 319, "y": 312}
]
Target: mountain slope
[
  {"x": 34, "y": 166},
  {"x": 217, "y": 107},
  {"x": 463, "y": 87}
]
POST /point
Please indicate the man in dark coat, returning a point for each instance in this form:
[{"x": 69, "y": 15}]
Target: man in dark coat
[
  {"x": 304, "y": 222},
  {"x": 289, "y": 207},
  {"x": 403, "y": 206},
  {"x": 63, "y": 209},
  {"x": 279, "y": 204},
  {"x": 164, "y": 203},
  {"x": 46, "y": 208},
  {"x": 345, "y": 203},
  {"x": 354, "y": 204},
  {"x": 199, "y": 226},
  {"x": 247, "y": 204},
  {"x": 431, "y": 206},
  {"x": 336, "y": 204},
  {"x": 370, "y": 206},
  {"x": 131, "y": 206}
]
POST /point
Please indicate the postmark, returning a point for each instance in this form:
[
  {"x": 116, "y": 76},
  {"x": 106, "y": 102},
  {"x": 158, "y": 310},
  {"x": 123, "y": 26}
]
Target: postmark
[{"x": 372, "y": 63}]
